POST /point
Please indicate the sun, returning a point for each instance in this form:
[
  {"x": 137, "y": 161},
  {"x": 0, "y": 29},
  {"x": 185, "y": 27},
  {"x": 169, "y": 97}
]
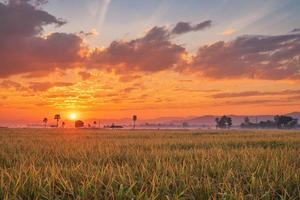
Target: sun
[{"x": 73, "y": 116}]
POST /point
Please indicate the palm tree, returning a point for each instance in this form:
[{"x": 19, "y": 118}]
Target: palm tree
[
  {"x": 57, "y": 118},
  {"x": 134, "y": 118},
  {"x": 45, "y": 121}
]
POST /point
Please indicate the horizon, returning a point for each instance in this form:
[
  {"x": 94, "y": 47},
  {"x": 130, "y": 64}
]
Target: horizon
[
  {"x": 153, "y": 59},
  {"x": 127, "y": 121}
]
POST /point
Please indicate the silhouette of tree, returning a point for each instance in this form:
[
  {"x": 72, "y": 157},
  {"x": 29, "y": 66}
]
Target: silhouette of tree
[
  {"x": 282, "y": 121},
  {"x": 223, "y": 122},
  {"x": 229, "y": 122},
  {"x": 247, "y": 121},
  {"x": 134, "y": 119},
  {"x": 57, "y": 118},
  {"x": 185, "y": 124},
  {"x": 79, "y": 124},
  {"x": 45, "y": 121}
]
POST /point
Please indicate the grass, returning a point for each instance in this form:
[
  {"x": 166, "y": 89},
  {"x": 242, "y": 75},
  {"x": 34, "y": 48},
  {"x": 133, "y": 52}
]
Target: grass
[{"x": 149, "y": 164}]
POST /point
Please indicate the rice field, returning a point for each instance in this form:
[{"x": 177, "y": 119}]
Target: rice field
[{"x": 149, "y": 164}]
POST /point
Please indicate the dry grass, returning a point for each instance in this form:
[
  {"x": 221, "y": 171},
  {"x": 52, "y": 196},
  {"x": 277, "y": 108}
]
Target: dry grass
[{"x": 93, "y": 164}]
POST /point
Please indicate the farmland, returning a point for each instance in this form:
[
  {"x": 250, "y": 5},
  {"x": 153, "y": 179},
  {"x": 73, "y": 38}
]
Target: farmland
[{"x": 149, "y": 164}]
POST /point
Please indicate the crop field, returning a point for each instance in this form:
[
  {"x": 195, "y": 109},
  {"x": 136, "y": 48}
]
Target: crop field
[{"x": 149, "y": 164}]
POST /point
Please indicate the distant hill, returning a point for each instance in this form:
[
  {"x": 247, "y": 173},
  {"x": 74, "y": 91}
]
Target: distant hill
[{"x": 209, "y": 120}]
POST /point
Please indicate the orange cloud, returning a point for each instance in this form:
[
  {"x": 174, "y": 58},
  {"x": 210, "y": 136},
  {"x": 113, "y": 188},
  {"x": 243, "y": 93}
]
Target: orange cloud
[{"x": 229, "y": 32}]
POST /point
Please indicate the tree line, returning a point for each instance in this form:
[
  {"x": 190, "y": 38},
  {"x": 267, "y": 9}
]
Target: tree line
[{"x": 279, "y": 121}]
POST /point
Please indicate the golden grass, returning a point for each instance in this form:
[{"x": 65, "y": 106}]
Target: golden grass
[{"x": 149, "y": 164}]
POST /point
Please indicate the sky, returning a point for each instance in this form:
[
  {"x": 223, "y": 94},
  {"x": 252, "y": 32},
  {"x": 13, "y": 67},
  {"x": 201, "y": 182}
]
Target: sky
[{"x": 104, "y": 59}]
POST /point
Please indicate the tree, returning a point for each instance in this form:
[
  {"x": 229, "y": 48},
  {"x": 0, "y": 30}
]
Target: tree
[
  {"x": 247, "y": 121},
  {"x": 185, "y": 124},
  {"x": 45, "y": 121},
  {"x": 229, "y": 122},
  {"x": 79, "y": 124},
  {"x": 282, "y": 121},
  {"x": 57, "y": 118},
  {"x": 224, "y": 122},
  {"x": 134, "y": 119},
  {"x": 63, "y": 124}
]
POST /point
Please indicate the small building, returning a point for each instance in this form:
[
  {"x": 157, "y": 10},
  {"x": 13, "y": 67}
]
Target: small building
[{"x": 79, "y": 124}]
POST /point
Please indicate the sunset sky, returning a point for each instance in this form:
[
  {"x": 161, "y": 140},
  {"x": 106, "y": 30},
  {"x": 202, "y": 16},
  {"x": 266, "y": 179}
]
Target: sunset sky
[{"x": 115, "y": 58}]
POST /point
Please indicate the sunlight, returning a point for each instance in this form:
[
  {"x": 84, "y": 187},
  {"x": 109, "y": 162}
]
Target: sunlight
[{"x": 73, "y": 116}]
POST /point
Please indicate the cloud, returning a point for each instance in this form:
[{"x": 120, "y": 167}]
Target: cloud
[
  {"x": 255, "y": 94},
  {"x": 93, "y": 32},
  {"x": 85, "y": 75},
  {"x": 151, "y": 53},
  {"x": 229, "y": 32},
  {"x": 129, "y": 78},
  {"x": 19, "y": 18},
  {"x": 24, "y": 50},
  {"x": 6, "y": 84},
  {"x": 255, "y": 57},
  {"x": 296, "y": 30},
  {"x": 185, "y": 27},
  {"x": 44, "y": 86},
  {"x": 283, "y": 102}
]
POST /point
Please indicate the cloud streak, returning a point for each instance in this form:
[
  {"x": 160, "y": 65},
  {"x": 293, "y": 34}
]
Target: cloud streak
[{"x": 255, "y": 94}]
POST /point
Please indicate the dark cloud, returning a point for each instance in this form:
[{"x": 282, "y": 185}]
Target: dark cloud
[
  {"x": 257, "y": 57},
  {"x": 24, "y": 50},
  {"x": 185, "y": 27},
  {"x": 44, "y": 86},
  {"x": 151, "y": 53},
  {"x": 19, "y": 18}
]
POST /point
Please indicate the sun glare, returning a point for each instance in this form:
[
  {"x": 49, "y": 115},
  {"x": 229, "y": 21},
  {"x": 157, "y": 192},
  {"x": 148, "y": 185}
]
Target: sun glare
[{"x": 73, "y": 116}]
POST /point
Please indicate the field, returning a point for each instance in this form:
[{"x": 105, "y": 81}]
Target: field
[{"x": 149, "y": 164}]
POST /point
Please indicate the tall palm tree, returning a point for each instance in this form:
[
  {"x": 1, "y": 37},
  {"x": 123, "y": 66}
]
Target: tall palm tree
[
  {"x": 134, "y": 118},
  {"x": 57, "y": 118},
  {"x": 45, "y": 121}
]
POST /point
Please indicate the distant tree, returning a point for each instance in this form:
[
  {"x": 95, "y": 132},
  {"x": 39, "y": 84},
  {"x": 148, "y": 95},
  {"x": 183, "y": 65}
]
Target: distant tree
[
  {"x": 282, "y": 121},
  {"x": 248, "y": 124},
  {"x": 79, "y": 124},
  {"x": 57, "y": 118},
  {"x": 247, "y": 120},
  {"x": 45, "y": 121},
  {"x": 229, "y": 122},
  {"x": 223, "y": 122},
  {"x": 185, "y": 124},
  {"x": 134, "y": 119},
  {"x": 94, "y": 124},
  {"x": 63, "y": 124}
]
